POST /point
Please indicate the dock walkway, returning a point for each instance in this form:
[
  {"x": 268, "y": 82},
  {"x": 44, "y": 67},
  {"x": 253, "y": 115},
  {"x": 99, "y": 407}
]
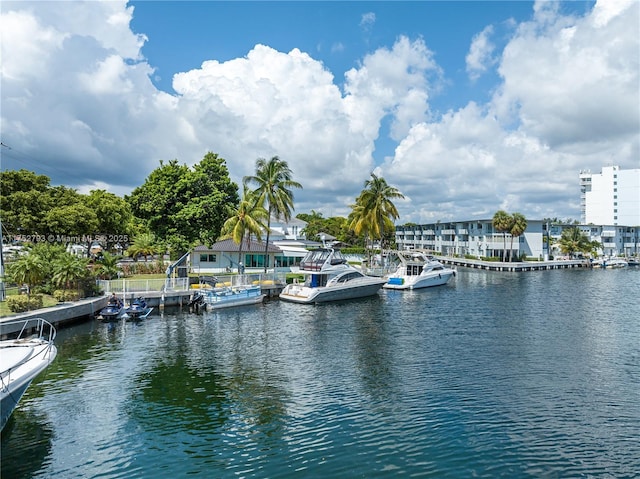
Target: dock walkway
[{"x": 520, "y": 266}]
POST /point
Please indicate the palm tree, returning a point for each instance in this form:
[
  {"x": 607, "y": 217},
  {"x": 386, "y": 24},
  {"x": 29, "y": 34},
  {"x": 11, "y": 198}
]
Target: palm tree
[
  {"x": 273, "y": 180},
  {"x": 69, "y": 269},
  {"x": 244, "y": 220},
  {"x": 573, "y": 241},
  {"x": 107, "y": 266},
  {"x": 502, "y": 222},
  {"x": 374, "y": 211},
  {"x": 143, "y": 244},
  {"x": 27, "y": 269},
  {"x": 518, "y": 227}
]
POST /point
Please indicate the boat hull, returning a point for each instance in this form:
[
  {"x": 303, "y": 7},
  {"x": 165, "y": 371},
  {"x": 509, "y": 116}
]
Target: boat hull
[
  {"x": 420, "y": 281},
  {"x": 21, "y": 361},
  {"x": 138, "y": 314},
  {"x": 235, "y": 302},
  {"x": 322, "y": 294},
  {"x": 110, "y": 314}
]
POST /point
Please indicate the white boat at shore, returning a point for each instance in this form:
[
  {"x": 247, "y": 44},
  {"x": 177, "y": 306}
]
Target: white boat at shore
[
  {"x": 612, "y": 262},
  {"x": 414, "y": 270},
  {"x": 328, "y": 277},
  {"x": 22, "y": 358},
  {"x": 230, "y": 296}
]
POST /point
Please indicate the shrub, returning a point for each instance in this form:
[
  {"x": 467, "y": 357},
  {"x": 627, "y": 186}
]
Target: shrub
[
  {"x": 23, "y": 303},
  {"x": 62, "y": 295}
]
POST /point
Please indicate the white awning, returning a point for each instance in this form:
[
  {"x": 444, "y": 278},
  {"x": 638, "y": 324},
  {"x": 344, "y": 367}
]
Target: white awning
[{"x": 293, "y": 252}]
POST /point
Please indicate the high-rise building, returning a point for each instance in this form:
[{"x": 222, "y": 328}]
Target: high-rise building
[{"x": 611, "y": 197}]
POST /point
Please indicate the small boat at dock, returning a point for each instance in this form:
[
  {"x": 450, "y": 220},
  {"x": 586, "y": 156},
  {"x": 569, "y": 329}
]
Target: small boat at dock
[
  {"x": 328, "y": 277},
  {"x": 415, "y": 270},
  {"x": 113, "y": 311},
  {"x": 230, "y": 296},
  {"x": 138, "y": 309}
]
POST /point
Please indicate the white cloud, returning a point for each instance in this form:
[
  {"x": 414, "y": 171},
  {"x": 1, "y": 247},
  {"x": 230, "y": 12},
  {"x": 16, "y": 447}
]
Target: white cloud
[
  {"x": 367, "y": 20},
  {"x": 479, "y": 58},
  {"x": 77, "y": 97}
]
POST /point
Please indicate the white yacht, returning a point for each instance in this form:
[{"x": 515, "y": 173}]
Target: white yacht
[
  {"x": 23, "y": 358},
  {"x": 328, "y": 277},
  {"x": 414, "y": 269}
]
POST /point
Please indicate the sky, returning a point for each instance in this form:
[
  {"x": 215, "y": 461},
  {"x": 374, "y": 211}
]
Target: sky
[{"x": 464, "y": 107}]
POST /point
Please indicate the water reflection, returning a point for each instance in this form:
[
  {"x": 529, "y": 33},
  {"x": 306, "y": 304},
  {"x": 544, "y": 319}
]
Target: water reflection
[
  {"x": 26, "y": 442},
  {"x": 491, "y": 375}
]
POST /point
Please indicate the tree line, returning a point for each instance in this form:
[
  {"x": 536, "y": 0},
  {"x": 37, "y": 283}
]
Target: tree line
[{"x": 175, "y": 209}]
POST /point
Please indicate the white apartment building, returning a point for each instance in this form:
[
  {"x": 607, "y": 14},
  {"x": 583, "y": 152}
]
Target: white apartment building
[
  {"x": 474, "y": 237},
  {"x": 611, "y": 197},
  {"x": 478, "y": 238}
]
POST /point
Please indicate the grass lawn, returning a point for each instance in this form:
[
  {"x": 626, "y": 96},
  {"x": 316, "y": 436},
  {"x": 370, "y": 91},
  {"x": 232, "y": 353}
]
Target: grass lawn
[{"x": 46, "y": 302}]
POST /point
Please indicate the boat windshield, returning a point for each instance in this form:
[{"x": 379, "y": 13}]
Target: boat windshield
[{"x": 316, "y": 259}]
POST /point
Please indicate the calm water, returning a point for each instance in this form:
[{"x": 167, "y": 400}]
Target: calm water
[{"x": 494, "y": 375}]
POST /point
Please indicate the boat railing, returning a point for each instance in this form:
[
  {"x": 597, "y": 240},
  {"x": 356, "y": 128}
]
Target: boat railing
[
  {"x": 27, "y": 328},
  {"x": 249, "y": 279}
]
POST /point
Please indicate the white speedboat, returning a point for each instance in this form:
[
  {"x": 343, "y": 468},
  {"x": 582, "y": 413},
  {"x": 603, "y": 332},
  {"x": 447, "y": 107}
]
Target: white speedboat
[
  {"x": 328, "y": 277},
  {"x": 616, "y": 263},
  {"x": 414, "y": 270},
  {"x": 229, "y": 296},
  {"x": 22, "y": 358}
]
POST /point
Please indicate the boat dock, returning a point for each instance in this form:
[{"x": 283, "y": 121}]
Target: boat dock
[{"x": 519, "y": 266}]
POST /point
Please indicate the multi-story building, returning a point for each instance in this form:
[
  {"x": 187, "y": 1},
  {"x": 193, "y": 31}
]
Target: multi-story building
[
  {"x": 614, "y": 240},
  {"x": 611, "y": 197},
  {"x": 475, "y": 237},
  {"x": 479, "y": 238}
]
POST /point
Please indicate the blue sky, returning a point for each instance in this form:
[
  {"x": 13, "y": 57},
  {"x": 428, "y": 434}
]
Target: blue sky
[{"x": 465, "y": 107}]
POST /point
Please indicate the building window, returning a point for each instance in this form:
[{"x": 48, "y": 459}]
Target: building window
[
  {"x": 254, "y": 261},
  {"x": 208, "y": 258}
]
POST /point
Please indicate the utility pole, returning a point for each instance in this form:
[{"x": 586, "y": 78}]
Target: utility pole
[{"x": 2, "y": 293}]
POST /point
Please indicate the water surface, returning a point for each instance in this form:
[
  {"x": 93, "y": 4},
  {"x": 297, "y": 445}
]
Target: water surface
[{"x": 493, "y": 375}]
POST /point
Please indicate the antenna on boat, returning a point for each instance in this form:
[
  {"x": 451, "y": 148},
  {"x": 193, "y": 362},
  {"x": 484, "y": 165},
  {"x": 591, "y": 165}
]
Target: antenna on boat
[{"x": 323, "y": 237}]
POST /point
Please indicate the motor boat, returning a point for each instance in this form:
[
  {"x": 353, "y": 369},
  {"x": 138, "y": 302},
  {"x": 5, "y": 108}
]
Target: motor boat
[
  {"x": 137, "y": 309},
  {"x": 22, "y": 358},
  {"x": 414, "y": 270},
  {"x": 113, "y": 311},
  {"x": 328, "y": 277},
  {"x": 229, "y": 296}
]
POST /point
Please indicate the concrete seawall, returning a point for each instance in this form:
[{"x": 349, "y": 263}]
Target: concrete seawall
[
  {"x": 68, "y": 313},
  {"x": 71, "y": 312}
]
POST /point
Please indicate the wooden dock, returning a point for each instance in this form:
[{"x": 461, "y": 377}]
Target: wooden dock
[{"x": 519, "y": 266}]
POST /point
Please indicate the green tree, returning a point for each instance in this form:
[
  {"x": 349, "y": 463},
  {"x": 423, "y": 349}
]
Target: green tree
[
  {"x": 27, "y": 269},
  {"x": 75, "y": 219},
  {"x": 245, "y": 220},
  {"x": 502, "y": 222},
  {"x": 107, "y": 266},
  {"x": 374, "y": 210},
  {"x": 113, "y": 212},
  {"x": 315, "y": 224},
  {"x": 183, "y": 206},
  {"x": 518, "y": 227},
  {"x": 69, "y": 270},
  {"x": 24, "y": 201},
  {"x": 273, "y": 180},
  {"x": 143, "y": 245},
  {"x": 573, "y": 241}
]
